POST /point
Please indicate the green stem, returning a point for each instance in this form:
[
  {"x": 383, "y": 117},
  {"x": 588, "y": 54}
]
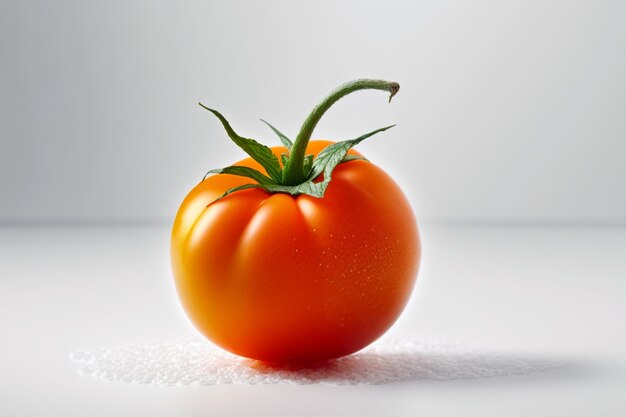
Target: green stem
[{"x": 293, "y": 173}]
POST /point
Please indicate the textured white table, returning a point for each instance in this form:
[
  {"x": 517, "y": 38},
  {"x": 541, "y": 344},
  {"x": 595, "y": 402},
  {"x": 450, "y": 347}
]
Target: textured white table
[{"x": 553, "y": 292}]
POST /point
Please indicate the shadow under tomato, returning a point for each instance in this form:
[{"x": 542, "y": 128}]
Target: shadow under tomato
[{"x": 386, "y": 367}]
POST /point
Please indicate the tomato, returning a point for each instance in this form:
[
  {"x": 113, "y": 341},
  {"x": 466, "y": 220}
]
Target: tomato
[{"x": 296, "y": 278}]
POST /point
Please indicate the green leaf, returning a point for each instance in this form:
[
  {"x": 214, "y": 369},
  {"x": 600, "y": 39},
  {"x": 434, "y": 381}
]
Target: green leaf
[
  {"x": 284, "y": 139},
  {"x": 307, "y": 165},
  {"x": 260, "y": 153},
  {"x": 307, "y": 187},
  {"x": 238, "y": 188},
  {"x": 332, "y": 155},
  {"x": 326, "y": 161},
  {"x": 284, "y": 157},
  {"x": 349, "y": 158},
  {"x": 243, "y": 172}
]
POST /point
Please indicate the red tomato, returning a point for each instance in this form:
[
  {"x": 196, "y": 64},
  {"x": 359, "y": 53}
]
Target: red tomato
[{"x": 285, "y": 278}]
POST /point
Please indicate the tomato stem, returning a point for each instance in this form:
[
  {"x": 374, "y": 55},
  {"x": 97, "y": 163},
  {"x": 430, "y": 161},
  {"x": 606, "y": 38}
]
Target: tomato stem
[{"x": 293, "y": 173}]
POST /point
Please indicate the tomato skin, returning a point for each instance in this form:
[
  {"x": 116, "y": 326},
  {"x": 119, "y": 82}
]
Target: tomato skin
[{"x": 285, "y": 278}]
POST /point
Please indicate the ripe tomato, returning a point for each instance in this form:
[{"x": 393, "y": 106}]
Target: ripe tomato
[{"x": 292, "y": 278}]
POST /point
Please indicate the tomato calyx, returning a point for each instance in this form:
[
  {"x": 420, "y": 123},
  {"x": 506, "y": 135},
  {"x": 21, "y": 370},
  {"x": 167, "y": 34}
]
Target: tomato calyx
[{"x": 299, "y": 171}]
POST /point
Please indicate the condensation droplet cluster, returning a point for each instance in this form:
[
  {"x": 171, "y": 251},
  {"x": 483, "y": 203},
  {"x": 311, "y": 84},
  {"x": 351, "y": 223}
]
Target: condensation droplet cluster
[{"x": 197, "y": 363}]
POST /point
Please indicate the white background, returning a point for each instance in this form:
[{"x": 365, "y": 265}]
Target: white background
[{"x": 508, "y": 111}]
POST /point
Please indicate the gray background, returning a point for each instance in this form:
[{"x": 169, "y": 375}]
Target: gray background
[
  {"x": 510, "y": 143},
  {"x": 509, "y": 111}
]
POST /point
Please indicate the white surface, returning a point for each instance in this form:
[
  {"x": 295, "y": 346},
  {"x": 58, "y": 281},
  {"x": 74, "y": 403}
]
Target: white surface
[
  {"x": 197, "y": 363},
  {"x": 527, "y": 292},
  {"x": 508, "y": 109}
]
